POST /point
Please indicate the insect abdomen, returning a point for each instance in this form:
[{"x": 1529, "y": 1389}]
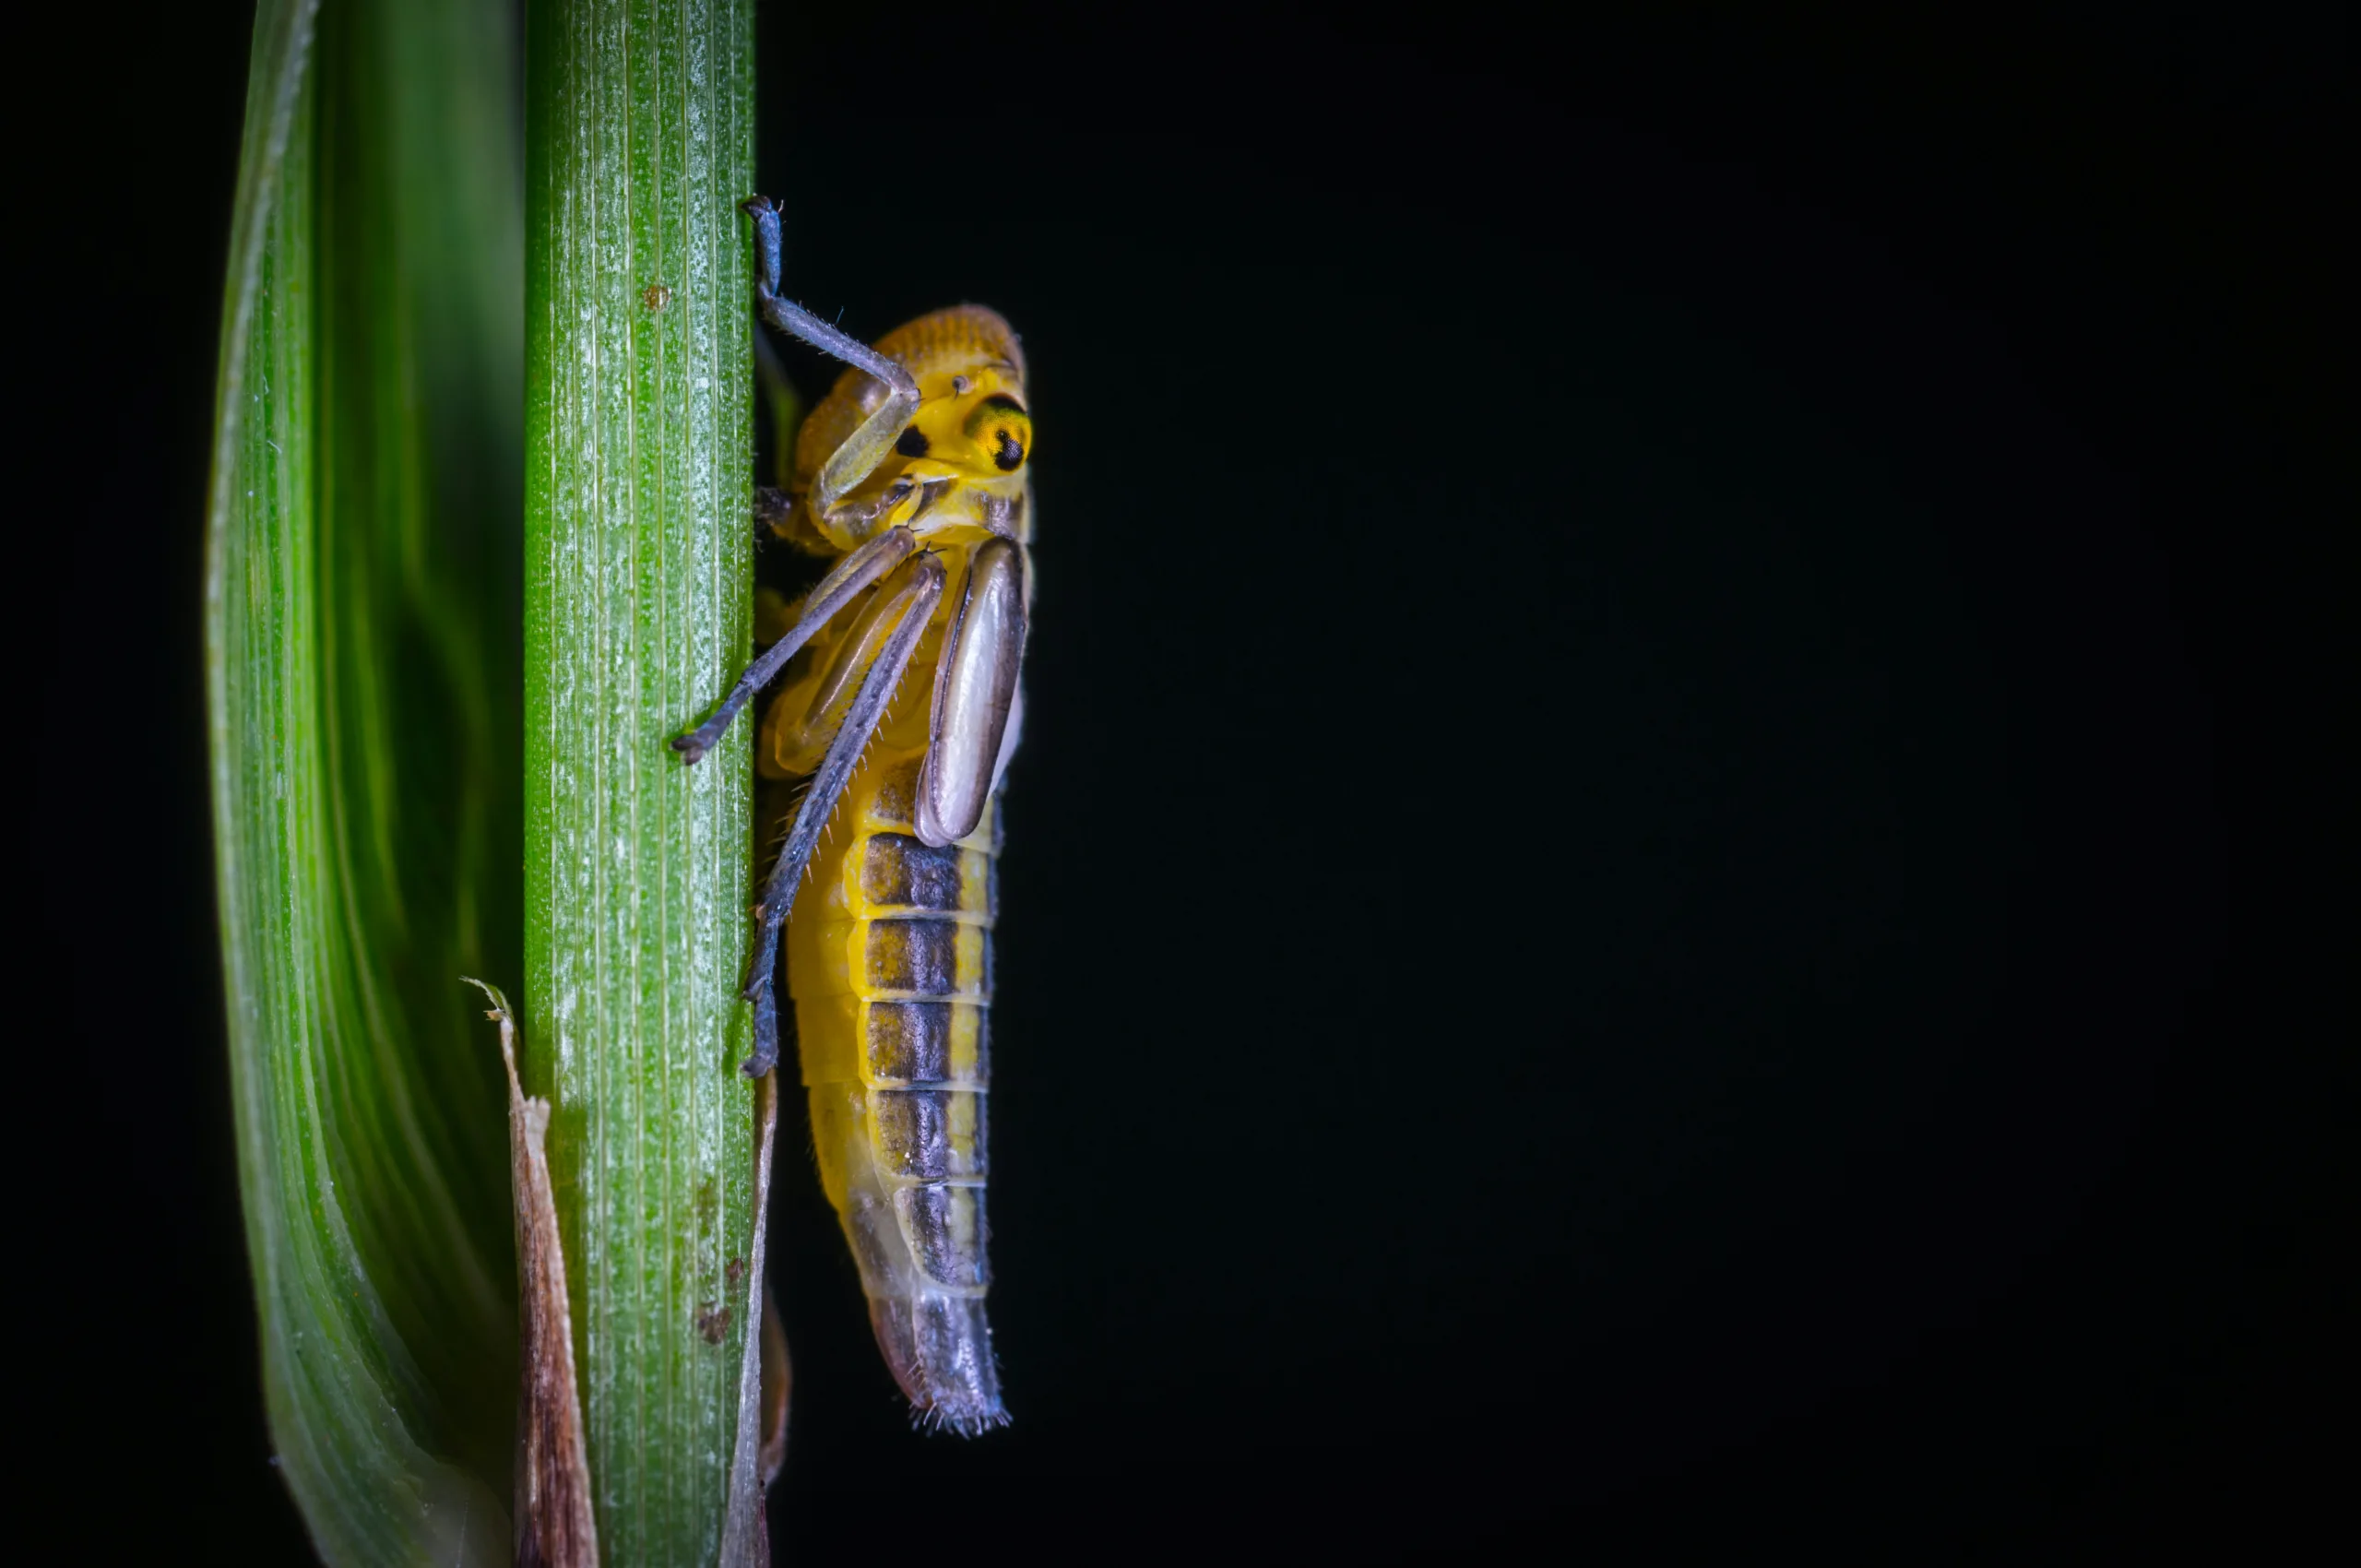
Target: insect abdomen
[{"x": 890, "y": 965}]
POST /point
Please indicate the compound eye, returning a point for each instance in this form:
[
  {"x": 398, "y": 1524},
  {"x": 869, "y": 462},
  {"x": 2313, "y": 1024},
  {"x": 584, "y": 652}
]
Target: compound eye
[{"x": 1001, "y": 426}]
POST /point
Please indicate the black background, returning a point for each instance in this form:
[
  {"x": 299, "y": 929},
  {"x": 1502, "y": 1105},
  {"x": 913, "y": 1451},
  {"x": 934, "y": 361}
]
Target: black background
[{"x": 1647, "y": 898}]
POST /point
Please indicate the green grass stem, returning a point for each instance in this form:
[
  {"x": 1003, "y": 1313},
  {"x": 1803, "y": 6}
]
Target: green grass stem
[{"x": 638, "y": 591}]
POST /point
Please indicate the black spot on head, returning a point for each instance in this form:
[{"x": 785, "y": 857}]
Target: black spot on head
[
  {"x": 1011, "y": 452},
  {"x": 912, "y": 444},
  {"x": 1003, "y": 400}
]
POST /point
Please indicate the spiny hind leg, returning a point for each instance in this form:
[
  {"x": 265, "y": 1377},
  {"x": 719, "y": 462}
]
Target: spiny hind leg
[
  {"x": 914, "y": 603},
  {"x": 865, "y": 447},
  {"x": 849, "y": 576}
]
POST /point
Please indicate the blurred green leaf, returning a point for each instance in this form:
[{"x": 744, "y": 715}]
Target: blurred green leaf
[{"x": 364, "y": 684}]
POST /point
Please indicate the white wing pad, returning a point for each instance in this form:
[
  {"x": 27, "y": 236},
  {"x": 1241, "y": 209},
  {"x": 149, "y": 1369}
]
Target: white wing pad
[{"x": 975, "y": 686}]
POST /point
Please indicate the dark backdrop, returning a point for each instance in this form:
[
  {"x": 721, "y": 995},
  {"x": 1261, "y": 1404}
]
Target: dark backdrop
[{"x": 1642, "y": 897}]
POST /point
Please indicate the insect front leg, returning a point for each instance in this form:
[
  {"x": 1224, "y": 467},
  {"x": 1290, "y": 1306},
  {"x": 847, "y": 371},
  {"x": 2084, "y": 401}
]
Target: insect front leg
[
  {"x": 914, "y": 602},
  {"x": 865, "y": 447}
]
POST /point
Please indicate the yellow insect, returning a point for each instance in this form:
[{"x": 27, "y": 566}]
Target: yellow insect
[{"x": 911, "y": 475}]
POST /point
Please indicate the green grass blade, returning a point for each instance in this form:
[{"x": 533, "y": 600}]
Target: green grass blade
[
  {"x": 639, "y": 588},
  {"x": 363, "y": 687}
]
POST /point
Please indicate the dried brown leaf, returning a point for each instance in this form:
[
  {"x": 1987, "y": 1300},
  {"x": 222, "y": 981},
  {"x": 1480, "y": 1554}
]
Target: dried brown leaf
[
  {"x": 778, "y": 1378},
  {"x": 554, "y": 1527},
  {"x": 762, "y": 1373}
]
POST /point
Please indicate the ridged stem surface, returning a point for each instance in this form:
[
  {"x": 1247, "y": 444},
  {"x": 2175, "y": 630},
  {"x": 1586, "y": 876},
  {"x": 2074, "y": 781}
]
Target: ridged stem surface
[{"x": 638, "y": 590}]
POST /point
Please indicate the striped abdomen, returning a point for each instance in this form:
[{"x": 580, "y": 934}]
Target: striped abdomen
[{"x": 889, "y": 960}]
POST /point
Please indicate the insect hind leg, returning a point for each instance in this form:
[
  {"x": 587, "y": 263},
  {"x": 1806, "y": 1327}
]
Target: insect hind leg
[
  {"x": 836, "y": 590},
  {"x": 915, "y": 602}
]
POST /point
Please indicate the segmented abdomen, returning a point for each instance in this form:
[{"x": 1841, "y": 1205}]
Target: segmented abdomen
[{"x": 889, "y": 960}]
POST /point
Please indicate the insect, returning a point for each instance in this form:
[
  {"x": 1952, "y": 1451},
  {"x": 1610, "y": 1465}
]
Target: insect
[{"x": 911, "y": 477}]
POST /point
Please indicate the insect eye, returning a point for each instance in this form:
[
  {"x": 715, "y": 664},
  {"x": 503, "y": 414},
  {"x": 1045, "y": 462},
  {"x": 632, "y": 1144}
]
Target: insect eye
[{"x": 1001, "y": 427}]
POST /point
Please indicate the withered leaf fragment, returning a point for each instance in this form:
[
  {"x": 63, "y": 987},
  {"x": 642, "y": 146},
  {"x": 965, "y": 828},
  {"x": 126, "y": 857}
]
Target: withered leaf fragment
[
  {"x": 554, "y": 1527},
  {"x": 762, "y": 1371}
]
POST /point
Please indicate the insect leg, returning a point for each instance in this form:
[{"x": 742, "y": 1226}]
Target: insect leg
[
  {"x": 836, "y": 590},
  {"x": 865, "y": 447},
  {"x": 975, "y": 687},
  {"x": 915, "y": 602}
]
